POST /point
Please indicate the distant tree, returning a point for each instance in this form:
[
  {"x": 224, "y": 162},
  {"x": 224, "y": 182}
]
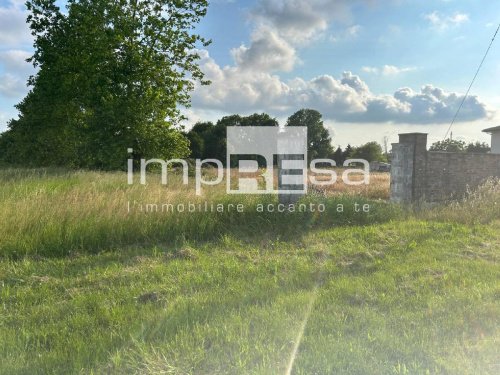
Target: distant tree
[
  {"x": 208, "y": 141},
  {"x": 215, "y": 142},
  {"x": 452, "y": 145},
  {"x": 370, "y": 151},
  {"x": 338, "y": 156},
  {"x": 348, "y": 152},
  {"x": 196, "y": 145},
  {"x": 202, "y": 127},
  {"x": 8, "y": 148},
  {"x": 478, "y": 147},
  {"x": 449, "y": 145},
  {"x": 386, "y": 147},
  {"x": 197, "y": 137},
  {"x": 258, "y": 119},
  {"x": 320, "y": 143}
]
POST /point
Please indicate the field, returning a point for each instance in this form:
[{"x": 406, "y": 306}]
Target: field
[{"x": 90, "y": 284}]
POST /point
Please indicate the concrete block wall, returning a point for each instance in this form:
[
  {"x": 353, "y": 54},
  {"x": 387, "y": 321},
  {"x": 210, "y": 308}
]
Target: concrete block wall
[
  {"x": 402, "y": 172},
  {"x": 421, "y": 175}
]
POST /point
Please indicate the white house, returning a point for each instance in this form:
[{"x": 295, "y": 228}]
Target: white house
[{"x": 495, "y": 139}]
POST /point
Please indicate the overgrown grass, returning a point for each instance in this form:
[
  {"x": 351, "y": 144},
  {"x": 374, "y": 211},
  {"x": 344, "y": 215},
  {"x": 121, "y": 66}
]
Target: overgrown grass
[
  {"x": 86, "y": 287},
  {"x": 481, "y": 205},
  {"x": 54, "y": 213}
]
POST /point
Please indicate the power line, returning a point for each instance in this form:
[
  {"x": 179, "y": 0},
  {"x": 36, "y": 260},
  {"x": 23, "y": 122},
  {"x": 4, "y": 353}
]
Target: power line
[{"x": 473, "y": 80}]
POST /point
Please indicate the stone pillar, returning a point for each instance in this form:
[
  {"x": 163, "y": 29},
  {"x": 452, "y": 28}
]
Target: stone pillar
[{"x": 408, "y": 169}]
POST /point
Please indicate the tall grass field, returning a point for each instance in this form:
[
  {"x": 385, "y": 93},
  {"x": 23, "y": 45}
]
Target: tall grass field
[{"x": 101, "y": 277}]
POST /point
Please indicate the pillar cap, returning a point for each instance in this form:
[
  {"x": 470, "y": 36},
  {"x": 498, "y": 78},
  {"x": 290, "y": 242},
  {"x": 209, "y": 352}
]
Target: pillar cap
[
  {"x": 495, "y": 129},
  {"x": 416, "y": 133}
]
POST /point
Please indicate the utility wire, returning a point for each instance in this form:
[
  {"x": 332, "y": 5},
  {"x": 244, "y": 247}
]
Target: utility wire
[{"x": 473, "y": 80}]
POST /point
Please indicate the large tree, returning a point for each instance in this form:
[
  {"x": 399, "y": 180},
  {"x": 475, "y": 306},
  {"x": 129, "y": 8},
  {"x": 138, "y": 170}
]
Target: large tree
[
  {"x": 111, "y": 76},
  {"x": 319, "y": 141}
]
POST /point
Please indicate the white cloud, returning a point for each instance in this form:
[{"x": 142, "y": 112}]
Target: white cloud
[
  {"x": 388, "y": 70},
  {"x": 299, "y": 21},
  {"x": 391, "y": 70},
  {"x": 267, "y": 52},
  {"x": 13, "y": 83},
  {"x": 353, "y": 31},
  {"x": 13, "y": 28},
  {"x": 14, "y": 60},
  {"x": 12, "y": 86},
  {"x": 349, "y": 99},
  {"x": 355, "y": 83},
  {"x": 4, "y": 118},
  {"x": 349, "y": 33},
  {"x": 370, "y": 69},
  {"x": 280, "y": 26},
  {"x": 14, "y": 33},
  {"x": 237, "y": 89},
  {"x": 443, "y": 22}
]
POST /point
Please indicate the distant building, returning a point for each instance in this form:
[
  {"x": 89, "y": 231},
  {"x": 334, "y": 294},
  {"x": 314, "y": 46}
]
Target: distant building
[{"x": 495, "y": 139}]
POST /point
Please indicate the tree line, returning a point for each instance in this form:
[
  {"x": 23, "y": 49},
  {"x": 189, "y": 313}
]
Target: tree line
[
  {"x": 454, "y": 145},
  {"x": 208, "y": 140}
]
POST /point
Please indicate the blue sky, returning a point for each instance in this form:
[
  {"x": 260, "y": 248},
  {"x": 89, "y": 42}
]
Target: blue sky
[{"x": 373, "y": 68}]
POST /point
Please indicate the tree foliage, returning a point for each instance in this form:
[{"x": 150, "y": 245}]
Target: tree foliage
[
  {"x": 349, "y": 150},
  {"x": 208, "y": 141},
  {"x": 452, "y": 145},
  {"x": 448, "y": 145},
  {"x": 111, "y": 76},
  {"x": 338, "y": 156},
  {"x": 319, "y": 140},
  {"x": 371, "y": 151},
  {"x": 212, "y": 138},
  {"x": 478, "y": 147}
]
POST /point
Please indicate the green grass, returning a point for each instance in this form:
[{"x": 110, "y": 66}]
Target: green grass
[
  {"x": 392, "y": 293},
  {"x": 55, "y": 213}
]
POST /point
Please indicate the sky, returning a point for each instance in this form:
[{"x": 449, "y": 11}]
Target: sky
[{"x": 372, "y": 68}]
